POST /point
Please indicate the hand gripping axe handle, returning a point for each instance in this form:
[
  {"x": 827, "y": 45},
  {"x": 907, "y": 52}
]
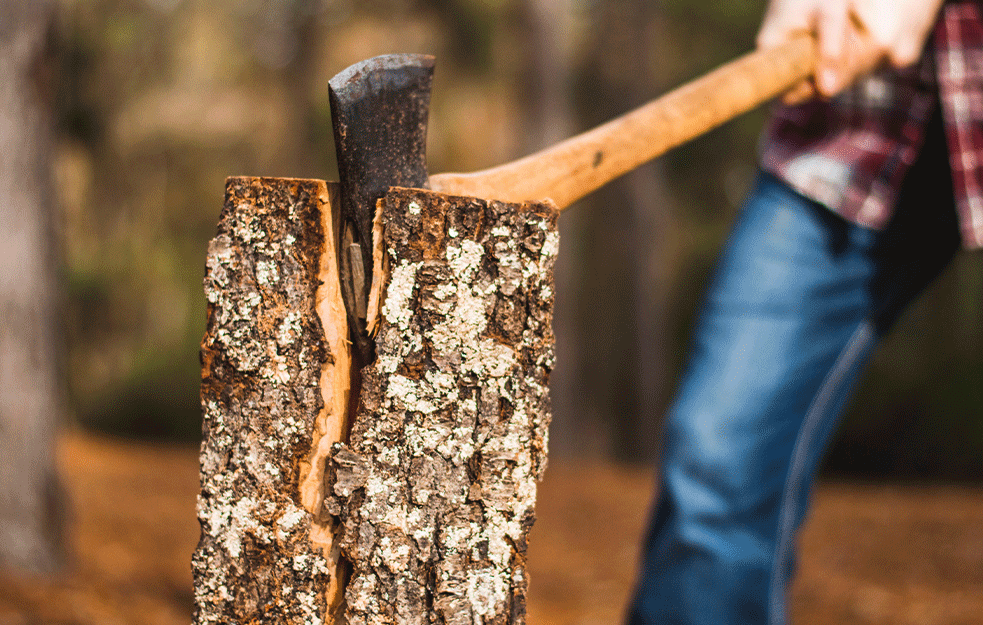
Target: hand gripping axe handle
[{"x": 379, "y": 112}]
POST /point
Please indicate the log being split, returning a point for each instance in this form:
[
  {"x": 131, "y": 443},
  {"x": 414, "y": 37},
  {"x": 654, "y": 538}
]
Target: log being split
[
  {"x": 424, "y": 506},
  {"x": 275, "y": 385}
]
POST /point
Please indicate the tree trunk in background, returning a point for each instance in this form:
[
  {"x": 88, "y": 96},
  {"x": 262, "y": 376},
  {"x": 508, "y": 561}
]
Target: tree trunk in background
[
  {"x": 623, "y": 323},
  {"x": 30, "y": 387},
  {"x": 546, "y": 35},
  {"x": 642, "y": 430}
]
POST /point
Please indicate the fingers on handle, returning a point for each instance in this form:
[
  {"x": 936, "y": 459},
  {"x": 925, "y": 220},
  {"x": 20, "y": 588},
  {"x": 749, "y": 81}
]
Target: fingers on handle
[
  {"x": 832, "y": 28},
  {"x": 800, "y": 93}
]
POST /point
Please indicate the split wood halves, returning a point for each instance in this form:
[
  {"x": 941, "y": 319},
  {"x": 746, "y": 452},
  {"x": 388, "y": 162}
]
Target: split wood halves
[{"x": 424, "y": 507}]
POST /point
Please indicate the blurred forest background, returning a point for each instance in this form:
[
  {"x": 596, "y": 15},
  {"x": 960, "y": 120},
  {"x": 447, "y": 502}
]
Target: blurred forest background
[{"x": 158, "y": 101}]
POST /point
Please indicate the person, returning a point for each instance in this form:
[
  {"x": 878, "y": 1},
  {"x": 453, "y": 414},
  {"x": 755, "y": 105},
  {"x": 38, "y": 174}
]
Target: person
[{"x": 871, "y": 178}]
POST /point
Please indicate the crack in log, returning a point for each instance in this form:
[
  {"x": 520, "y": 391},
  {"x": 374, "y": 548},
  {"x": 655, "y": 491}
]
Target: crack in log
[
  {"x": 274, "y": 396},
  {"x": 431, "y": 499}
]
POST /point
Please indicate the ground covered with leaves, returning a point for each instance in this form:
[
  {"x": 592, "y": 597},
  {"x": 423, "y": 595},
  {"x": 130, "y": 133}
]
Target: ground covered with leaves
[{"x": 872, "y": 553}]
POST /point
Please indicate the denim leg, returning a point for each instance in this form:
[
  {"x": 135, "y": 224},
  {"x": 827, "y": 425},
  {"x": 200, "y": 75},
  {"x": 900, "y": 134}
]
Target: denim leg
[{"x": 790, "y": 319}]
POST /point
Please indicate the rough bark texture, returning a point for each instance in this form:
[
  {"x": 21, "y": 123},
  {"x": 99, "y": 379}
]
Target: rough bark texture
[
  {"x": 30, "y": 379},
  {"x": 436, "y": 488},
  {"x": 274, "y": 396},
  {"x": 430, "y": 500}
]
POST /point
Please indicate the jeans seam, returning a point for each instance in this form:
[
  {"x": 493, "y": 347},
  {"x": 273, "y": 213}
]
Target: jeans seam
[{"x": 793, "y": 480}]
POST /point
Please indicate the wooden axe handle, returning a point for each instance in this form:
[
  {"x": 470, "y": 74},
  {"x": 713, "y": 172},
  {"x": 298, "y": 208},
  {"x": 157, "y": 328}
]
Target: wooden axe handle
[{"x": 577, "y": 166}]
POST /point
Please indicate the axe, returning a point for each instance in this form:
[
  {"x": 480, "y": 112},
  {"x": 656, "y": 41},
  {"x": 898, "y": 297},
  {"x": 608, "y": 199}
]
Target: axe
[{"x": 379, "y": 113}]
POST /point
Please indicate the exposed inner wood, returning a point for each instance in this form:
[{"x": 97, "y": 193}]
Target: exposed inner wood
[
  {"x": 380, "y": 269},
  {"x": 275, "y": 384},
  {"x": 333, "y": 420}
]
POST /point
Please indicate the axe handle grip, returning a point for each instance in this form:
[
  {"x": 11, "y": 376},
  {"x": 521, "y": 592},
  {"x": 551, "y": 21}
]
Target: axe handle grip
[{"x": 577, "y": 166}]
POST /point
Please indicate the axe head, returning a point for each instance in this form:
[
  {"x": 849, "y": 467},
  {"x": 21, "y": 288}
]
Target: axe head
[{"x": 379, "y": 113}]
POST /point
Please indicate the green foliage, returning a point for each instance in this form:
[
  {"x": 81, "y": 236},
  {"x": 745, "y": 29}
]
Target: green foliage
[
  {"x": 156, "y": 400},
  {"x": 716, "y": 19},
  {"x": 471, "y": 29}
]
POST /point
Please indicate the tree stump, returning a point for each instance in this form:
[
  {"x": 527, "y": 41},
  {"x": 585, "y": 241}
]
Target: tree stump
[{"x": 420, "y": 513}]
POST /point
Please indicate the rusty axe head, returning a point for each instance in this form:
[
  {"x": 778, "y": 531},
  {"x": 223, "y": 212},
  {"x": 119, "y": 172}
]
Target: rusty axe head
[{"x": 379, "y": 113}]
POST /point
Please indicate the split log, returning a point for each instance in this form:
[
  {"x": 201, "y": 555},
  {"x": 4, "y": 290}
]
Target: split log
[
  {"x": 275, "y": 385},
  {"x": 429, "y": 500}
]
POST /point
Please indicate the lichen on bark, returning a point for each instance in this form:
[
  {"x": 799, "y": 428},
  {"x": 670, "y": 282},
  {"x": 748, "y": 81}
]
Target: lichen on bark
[
  {"x": 435, "y": 490},
  {"x": 262, "y": 556}
]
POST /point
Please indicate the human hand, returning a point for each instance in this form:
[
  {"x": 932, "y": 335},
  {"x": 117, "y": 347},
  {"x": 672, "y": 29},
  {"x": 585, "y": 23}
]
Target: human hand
[{"x": 854, "y": 37}]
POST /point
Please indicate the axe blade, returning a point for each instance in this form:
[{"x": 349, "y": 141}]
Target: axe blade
[{"x": 379, "y": 111}]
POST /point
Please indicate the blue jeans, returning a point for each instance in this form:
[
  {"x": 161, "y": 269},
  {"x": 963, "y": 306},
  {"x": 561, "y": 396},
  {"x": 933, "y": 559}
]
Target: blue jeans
[{"x": 799, "y": 300}]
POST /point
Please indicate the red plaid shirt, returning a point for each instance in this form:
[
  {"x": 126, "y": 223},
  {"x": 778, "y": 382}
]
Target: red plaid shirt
[{"x": 851, "y": 154}]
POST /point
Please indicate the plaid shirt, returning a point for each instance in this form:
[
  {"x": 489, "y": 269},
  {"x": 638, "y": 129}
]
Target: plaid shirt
[{"x": 851, "y": 154}]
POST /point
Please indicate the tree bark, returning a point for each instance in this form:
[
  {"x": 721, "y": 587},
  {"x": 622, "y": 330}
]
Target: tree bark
[
  {"x": 275, "y": 386},
  {"x": 436, "y": 489},
  {"x": 429, "y": 501},
  {"x": 30, "y": 380}
]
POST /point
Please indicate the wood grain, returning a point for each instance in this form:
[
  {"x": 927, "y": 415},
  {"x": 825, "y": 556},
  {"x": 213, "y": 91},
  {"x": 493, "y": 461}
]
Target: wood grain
[
  {"x": 275, "y": 387},
  {"x": 573, "y": 168}
]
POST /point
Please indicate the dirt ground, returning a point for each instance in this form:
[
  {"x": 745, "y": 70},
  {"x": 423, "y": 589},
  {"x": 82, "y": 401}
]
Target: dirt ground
[{"x": 872, "y": 554}]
